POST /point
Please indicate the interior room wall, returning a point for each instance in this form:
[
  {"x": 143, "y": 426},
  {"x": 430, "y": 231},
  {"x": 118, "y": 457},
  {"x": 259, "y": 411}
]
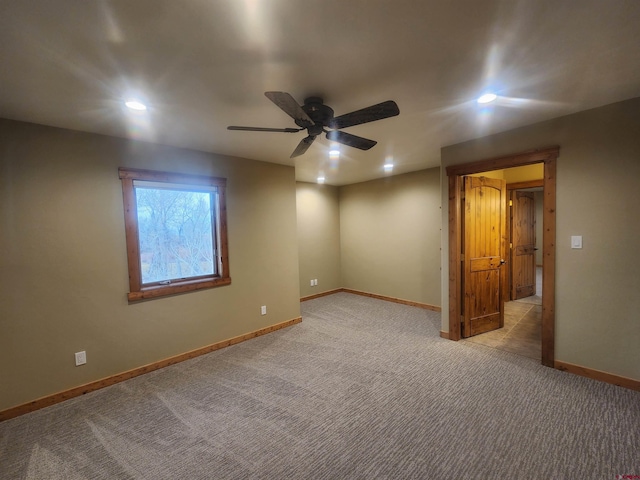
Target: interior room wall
[
  {"x": 390, "y": 236},
  {"x": 596, "y": 287},
  {"x": 63, "y": 266},
  {"x": 318, "y": 214}
]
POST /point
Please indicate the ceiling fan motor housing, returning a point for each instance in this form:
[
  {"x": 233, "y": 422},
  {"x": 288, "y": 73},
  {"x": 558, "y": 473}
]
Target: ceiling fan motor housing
[{"x": 317, "y": 111}]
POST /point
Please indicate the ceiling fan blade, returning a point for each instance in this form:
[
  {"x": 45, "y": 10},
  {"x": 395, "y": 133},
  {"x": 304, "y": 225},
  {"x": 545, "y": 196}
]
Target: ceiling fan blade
[
  {"x": 350, "y": 140},
  {"x": 263, "y": 129},
  {"x": 302, "y": 147},
  {"x": 289, "y": 105},
  {"x": 370, "y": 114}
]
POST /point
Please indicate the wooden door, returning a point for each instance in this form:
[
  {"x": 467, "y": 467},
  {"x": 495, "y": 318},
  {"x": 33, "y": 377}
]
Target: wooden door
[
  {"x": 483, "y": 254},
  {"x": 523, "y": 244}
]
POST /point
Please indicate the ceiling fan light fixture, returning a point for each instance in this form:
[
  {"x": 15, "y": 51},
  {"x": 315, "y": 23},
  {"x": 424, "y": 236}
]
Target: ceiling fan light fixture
[
  {"x": 320, "y": 180},
  {"x": 487, "y": 98},
  {"x": 334, "y": 154},
  {"x": 388, "y": 167}
]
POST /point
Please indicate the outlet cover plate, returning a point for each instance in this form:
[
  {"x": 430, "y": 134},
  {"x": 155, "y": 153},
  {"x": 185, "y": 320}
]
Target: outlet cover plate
[{"x": 81, "y": 358}]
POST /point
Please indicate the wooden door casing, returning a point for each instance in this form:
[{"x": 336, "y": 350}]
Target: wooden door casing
[
  {"x": 523, "y": 244},
  {"x": 483, "y": 253},
  {"x": 455, "y": 173}
]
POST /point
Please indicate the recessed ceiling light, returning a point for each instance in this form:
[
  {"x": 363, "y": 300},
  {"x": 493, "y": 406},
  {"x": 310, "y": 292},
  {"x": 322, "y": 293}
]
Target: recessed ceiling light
[
  {"x": 320, "y": 180},
  {"x": 334, "y": 154},
  {"x": 388, "y": 167},
  {"x": 135, "y": 105},
  {"x": 487, "y": 98}
]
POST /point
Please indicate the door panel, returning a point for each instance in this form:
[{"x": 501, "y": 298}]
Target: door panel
[
  {"x": 523, "y": 239},
  {"x": 483, "y": 253}
]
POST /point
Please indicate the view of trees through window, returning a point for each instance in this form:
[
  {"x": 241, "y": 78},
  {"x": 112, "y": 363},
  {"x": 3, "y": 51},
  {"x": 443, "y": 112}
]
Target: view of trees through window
[{"x": 176, "y": 233}]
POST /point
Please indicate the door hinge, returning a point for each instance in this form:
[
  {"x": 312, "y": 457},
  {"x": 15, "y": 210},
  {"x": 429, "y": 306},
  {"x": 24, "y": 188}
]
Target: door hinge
[
  {"x": 511, "y": 203},
  {"x": 511, "y": 245}
]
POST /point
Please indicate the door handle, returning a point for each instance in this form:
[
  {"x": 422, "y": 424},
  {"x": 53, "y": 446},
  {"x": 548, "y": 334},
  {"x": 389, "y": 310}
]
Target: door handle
[{"x": 502, "y": 261}]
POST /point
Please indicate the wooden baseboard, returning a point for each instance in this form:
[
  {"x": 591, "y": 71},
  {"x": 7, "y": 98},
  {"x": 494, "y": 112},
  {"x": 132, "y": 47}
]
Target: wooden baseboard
[
  {"x": 323, "y": 294},
  {"x": 598, "y": 375},
  {"x": 120, "y": 377},
  {"x": 444, "y": 334},
  {"x": 426, "y": 306}
]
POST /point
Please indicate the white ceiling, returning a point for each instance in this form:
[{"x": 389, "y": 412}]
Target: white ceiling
[{"x": 203, "y": 65}]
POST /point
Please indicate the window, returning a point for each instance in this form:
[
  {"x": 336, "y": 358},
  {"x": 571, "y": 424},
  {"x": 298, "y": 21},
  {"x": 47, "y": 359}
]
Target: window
[{"x": 176, "y": 232}]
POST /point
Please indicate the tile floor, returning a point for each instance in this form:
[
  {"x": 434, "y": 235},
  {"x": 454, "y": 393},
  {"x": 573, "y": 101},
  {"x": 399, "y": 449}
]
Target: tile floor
[{"x": 522, "y": 331}]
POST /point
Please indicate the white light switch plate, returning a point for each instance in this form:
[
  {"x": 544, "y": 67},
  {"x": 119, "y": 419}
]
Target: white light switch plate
[{"x": 576, "y": 241}]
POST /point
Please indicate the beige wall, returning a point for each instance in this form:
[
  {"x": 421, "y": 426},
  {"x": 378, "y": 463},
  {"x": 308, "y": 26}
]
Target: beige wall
[
  {"x": 597, "y": 301},
  {"x": 390, "y": 236},
  {"x": 63, "y": 268},
  {"x": 318, "y": 237}
]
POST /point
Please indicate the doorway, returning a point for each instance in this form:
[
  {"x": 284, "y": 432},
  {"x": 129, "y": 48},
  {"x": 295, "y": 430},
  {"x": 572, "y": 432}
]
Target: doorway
[
  {"x": 455, "y": 173},
  {"x": 521, "y": 331},
  {"x": 524, "y": 231}
]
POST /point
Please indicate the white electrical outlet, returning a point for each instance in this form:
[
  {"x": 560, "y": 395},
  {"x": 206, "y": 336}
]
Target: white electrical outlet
[
  {"x": 263, "y": 310},
  {"x": 311, "y": 282},
  {"x": 81, "y": 358},
  {"x": 315, "y": 282}
]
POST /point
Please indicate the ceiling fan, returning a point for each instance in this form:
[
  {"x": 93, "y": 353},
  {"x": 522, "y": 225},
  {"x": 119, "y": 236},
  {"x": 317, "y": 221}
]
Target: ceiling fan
[{"x": 316, "y": 117}]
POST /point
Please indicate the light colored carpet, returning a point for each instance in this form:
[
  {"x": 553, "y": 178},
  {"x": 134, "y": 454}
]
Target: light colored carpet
[{"x": 361, "y": 389}]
